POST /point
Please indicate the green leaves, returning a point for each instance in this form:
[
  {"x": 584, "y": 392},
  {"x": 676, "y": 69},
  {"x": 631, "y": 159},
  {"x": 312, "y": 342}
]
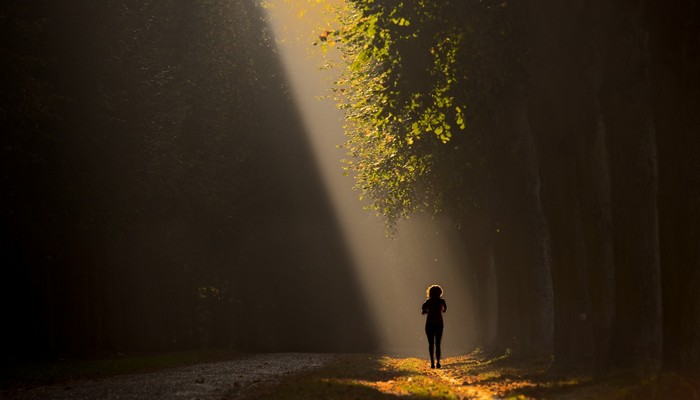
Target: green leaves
[
  {"x": 400, "y": 21},
  {"x": 411, "y": 69},
  {"x": 396, "y": 107},
  {"x": 459, "y": 117}
]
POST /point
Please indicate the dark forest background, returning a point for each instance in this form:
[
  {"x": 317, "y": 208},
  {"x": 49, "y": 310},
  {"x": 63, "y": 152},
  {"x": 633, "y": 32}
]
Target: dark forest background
[
  {"x": 157, "y": 192},
  {"x": 574, "y": 180}
]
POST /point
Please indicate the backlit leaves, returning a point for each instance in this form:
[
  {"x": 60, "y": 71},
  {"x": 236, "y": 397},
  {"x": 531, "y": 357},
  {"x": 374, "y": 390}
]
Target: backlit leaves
[{"x": 389, "y": 116}]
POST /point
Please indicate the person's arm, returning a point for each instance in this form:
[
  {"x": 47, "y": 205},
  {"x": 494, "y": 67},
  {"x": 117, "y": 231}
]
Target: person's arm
[
  {"x": 424, "y": 308},
  {"x": 444, "y": 305}
]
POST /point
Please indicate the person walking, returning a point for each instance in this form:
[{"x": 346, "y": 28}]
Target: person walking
[{"x": 434, "y": 306}]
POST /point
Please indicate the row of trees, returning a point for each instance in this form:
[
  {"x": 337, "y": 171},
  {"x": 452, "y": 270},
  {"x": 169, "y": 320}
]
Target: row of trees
[
  {"x": 561, "y": 139},
  {"x": 151, "y": 160}
]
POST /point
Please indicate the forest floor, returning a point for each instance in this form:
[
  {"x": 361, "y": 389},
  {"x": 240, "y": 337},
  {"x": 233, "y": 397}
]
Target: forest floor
[
  {"x": 350, "y": 376},
  {"x": 473, "y": 376}
]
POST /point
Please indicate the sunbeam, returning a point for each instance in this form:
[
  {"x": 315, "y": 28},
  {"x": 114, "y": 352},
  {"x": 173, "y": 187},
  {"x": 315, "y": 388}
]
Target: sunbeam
[{"x": 393, "y": 272}]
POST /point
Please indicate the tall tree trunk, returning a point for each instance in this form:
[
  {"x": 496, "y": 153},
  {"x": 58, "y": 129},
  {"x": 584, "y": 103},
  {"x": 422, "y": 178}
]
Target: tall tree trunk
[
  {"x": 477, "y": 236},
  {"x": 626, "y": 105},
  {"x": 558, "y": 125},
  {"x": 594, "y": 189},
  {"x": 525, "y": 319},
  {"x": 675, "y": 62}
]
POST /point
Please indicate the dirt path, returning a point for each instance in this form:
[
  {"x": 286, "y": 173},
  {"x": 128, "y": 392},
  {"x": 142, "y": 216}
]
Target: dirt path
[
  {"x": 232, "y": 379},
  {"x": 285, "y": 376},
  {"x": 460, "y": 377},
  {"x": 473, "y": 377}
]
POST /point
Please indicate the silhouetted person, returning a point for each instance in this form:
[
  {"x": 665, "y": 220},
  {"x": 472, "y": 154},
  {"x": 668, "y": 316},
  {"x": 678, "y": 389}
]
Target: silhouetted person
[{"x": 434, "y": 306}]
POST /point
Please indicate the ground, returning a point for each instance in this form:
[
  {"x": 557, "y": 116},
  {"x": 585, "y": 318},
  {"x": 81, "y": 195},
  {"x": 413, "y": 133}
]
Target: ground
[
  {"x": 361, "y": 376},
  {"x": 213, "y": 380},
  {"x": 473, "y": 376}
]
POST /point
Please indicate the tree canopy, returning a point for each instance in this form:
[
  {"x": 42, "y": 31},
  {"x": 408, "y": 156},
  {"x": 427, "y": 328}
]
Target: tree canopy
[{"x": 528, "y": 124}]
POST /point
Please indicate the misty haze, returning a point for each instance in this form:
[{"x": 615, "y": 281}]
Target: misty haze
[{"x": 245, "y": 199}]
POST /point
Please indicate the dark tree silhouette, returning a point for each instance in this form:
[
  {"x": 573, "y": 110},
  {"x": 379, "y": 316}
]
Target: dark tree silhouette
[
  {"x": 159, "y": 193},
  {"x": 569, "y": 172}
]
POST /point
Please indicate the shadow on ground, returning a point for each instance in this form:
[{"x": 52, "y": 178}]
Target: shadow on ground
[
  {"x": 357, "y": 376},
  {"x": 473, "y": 376}
]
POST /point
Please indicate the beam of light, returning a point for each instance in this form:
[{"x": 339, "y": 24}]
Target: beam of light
[{"x": 394, "y": 273}]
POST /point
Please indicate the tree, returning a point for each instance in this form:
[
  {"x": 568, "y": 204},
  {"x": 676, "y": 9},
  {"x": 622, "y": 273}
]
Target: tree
[
  {"x": 415, "y": 75},
  {"x": 535, "y": 126}
]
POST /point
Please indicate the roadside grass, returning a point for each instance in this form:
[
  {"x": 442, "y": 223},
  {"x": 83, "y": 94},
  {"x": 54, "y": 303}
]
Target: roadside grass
[
  {"x": 369, "y": 376},
  {"x": 17, "y": 375},
  {"x": 472, "y": 376},
  {"x": 358, "y": 376}
]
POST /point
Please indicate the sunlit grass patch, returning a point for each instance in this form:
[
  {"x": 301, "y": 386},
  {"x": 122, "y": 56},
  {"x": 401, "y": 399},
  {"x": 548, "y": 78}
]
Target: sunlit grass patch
[
  {"x": 413, "y": 379},
  {"x": 363, "y": 377},
  {"x": 470, "y": 376}
]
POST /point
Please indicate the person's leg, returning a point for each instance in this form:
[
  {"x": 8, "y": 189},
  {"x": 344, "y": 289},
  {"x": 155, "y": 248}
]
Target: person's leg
[
  {"x": 430, "y": 333},
  {"x": 438, "y": 338}
]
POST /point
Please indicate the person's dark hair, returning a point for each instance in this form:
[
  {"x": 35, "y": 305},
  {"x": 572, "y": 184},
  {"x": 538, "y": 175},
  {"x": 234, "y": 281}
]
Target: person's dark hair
[{"x": 434, "y": 291}]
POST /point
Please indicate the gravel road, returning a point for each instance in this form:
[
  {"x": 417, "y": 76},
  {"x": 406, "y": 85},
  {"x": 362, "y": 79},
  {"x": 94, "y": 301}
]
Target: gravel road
[{"x": 229, "y": 379}]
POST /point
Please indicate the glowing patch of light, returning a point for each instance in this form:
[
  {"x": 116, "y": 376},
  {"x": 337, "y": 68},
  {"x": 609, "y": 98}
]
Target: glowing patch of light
[{"x": 393, "y": 272}]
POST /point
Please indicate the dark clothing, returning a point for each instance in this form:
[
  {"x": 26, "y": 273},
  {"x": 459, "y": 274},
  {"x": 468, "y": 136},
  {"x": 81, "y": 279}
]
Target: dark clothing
[
  {"x": 434, "y": 307},
  {"x": 434, "y": 326},
  {"x": 434, "y": 334}
]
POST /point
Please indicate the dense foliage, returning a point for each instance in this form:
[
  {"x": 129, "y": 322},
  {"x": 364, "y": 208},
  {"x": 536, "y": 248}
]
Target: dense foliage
[
  {"x": 542, "y": 132},
  {"x": 413, "y": 70},
  {"x": 398, "y": 89}
]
